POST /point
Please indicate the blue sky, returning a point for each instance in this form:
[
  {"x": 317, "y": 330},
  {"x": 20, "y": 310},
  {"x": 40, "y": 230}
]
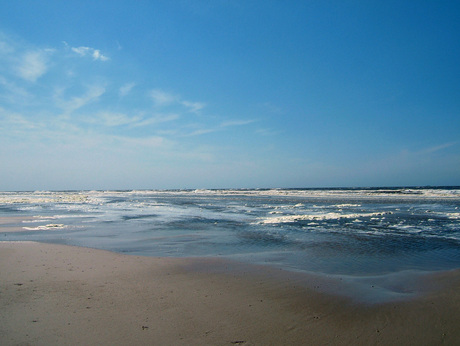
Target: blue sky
[{"x": 227, "y": 94}]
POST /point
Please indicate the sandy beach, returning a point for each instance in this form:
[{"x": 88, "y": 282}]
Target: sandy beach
[{"x": 55, "y": 294}]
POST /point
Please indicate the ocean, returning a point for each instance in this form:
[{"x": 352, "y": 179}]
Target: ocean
[{"x": 354, "y": 232}]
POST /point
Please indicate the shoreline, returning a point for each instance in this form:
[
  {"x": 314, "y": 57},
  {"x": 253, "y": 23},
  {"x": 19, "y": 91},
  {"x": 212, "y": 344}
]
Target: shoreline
[
  {"x": 59, "y": 294},
  {"x": 13, "y": 224}
]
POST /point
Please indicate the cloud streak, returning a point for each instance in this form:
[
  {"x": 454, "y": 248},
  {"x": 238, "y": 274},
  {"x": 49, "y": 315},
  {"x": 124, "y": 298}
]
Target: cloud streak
[
  {"x": 32, "y": 66},
  {"x": 163, "y": 99},
  {"x": 193, "y": 107},
  {"x": 91, "y": 52},
  {"x": 126, "y": 89},
  {"x": 92, "y": 94},
  {"x": 224, "y": 125},
  {"x": 119, "y": 119},
  {"x": 437, "y": 148},
  {"x": 12, "y": 93}
]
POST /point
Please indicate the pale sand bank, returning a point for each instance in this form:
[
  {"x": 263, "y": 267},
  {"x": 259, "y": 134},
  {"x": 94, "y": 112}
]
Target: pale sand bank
[{"x": 62, "y": 295}]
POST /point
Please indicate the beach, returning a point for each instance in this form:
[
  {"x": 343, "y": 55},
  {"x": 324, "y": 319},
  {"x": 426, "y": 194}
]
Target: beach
[
  {"x": 56, "y": 294},
  {"x": 229, "y": 173}
]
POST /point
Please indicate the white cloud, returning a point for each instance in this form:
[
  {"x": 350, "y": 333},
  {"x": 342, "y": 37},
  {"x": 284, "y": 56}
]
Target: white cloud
[
  {"x": 220, "y": 127},
  {"x": 76, "y": 102},
  {"x": 161, "y": 98},
  {"x": 156, "y": 119},
  {"x": 115, "y": 119},
  {"x": 193, "y": 106},
  {"x": 32, "y": 65},
  {"x": 98, "y": 56},
  {"x": 88, "y": 51},
  {"x": 12, "y": 93},
  {"x": 15, "y": 120},
  {"x": 126, "y": 89},
  {"x": 23, "y": 60},
  {"x": 82, "y": 51},
  {"x": 200, "y": 132}
]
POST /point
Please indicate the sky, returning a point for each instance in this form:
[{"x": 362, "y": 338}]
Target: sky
[{"x": 228, "y": 94}]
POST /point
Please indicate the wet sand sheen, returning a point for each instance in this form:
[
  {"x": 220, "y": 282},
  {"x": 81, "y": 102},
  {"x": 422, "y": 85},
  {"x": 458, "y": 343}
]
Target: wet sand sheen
[
  {"x": 10, "y": 223},
  {"x": 54, "y": 294}
]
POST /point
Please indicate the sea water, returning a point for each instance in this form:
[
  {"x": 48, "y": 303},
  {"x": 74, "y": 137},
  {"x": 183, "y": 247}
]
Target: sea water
[{"x": 349, "y": 232}]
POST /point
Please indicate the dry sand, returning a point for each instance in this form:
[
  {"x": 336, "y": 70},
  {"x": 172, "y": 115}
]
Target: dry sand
[{"x": 63, "y": 295}]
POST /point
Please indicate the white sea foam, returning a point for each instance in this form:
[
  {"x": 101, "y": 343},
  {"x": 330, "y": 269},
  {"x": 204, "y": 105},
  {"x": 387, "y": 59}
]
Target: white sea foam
[
  {"x": 44, "y": 198},
  {"x": 39, "y": 219},
  {"x": 346, "y": 205},
  {"x": 203, "y": 191},
  {"x": 453, "y": 216},
  {"x": 43, "y": 218},
  {"x": 99, "y": 197},
  {"x": 313, "y": 217},
  {"x": 46, "y": 227},
  {"x": 331, "y": 193}
]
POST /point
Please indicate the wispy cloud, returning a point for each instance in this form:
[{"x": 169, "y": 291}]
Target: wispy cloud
[
  {"x": 115, "y": 119},
  {"x": 88, "y": 51},
  {"x": 19, "y": 59},
  {"x": 92, "y": 94},
  {"x": 15, "y": 119},
  {"x": 32, "y": 65},
  {"x": 224, "y": 125},
  {"x": 126, "y": 89},
  {"x": 437, "y": 148},
  {"x": 112, "y": 119},
  {"x": 193, "y": 107},
  {"x": 12, "y": 93},
  {"x": 156, "y": 119},
  {"x": 200, "y": 132},
  {"x": 162, "y": 99}
]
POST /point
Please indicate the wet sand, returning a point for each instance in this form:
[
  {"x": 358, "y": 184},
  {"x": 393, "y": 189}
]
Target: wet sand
[
  {"x": 13, "y": 223},
  {"x": 59, "y": 295}
]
